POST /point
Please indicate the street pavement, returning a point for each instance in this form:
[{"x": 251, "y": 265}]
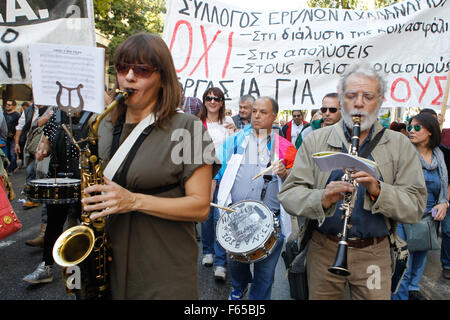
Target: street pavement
[{"x": 18, "y": 260}]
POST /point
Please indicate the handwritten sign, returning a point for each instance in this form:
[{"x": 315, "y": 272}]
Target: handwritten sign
[
  {"x": 70, "y": 77},
  {"x": 48, "y": 21},
  {"x": 298, "y": 55}
]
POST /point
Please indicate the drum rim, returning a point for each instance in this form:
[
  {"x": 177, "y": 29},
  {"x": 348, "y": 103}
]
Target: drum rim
[
  {"x": 261, "y": 245},
  {"x": 37, "y": 182}
]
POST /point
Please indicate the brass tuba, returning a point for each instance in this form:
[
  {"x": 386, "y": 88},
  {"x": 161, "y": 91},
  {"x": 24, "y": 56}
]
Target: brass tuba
[
  {"x": 86, "y": 245},
  {"x": 339, "y": 266}
]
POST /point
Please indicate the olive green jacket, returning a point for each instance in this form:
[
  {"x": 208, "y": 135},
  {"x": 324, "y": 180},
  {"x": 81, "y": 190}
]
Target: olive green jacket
[{"x": 403, "y": 192}]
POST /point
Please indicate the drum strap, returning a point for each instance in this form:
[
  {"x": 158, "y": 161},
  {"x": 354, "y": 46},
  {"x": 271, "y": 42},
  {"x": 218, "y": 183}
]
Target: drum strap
[
  {"x": 267, "y": 178},
  {"x": 121, "y": 178}
]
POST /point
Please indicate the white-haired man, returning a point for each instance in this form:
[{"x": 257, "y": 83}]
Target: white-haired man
[{"x": 398, "y": 195}]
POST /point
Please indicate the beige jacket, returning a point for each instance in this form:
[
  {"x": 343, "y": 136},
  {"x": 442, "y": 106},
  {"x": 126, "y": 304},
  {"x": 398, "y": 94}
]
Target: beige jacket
[{"x": 403, "y": 192}]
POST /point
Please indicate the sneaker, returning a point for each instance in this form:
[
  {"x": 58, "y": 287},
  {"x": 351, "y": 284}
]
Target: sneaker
[
  {"x": 237, "y": 294},
  {"x": 43, "y": 274},
  {"x": 30, "y": 204},
  {"x": 220, "y": 273},
  {"x": 208, "y": 260},
  {"x": 446, "y": 273},
  {"x": 415, "y": 295}
]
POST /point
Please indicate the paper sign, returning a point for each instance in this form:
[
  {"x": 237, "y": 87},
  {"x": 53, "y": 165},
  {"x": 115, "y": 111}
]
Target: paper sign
[{"x": 68, "y": 76}]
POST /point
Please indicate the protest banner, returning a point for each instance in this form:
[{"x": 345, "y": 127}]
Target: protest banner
[
  {"x": 298, "y": 55},
  {"x": 23, "y": 22}
]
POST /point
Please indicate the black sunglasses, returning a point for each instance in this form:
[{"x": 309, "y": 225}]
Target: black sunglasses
[
  {"x": 296, "y": 116},
  {"x": 210, "y": 98},
  {"x": 139, "y": 70},
  {"x": 332, "y": 110},
  {"x": 417, "y": 128}
]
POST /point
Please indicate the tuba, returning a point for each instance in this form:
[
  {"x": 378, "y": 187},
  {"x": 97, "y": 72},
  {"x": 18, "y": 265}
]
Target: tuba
[
  {"x": 339, "y": 266},
  {"x": 84, "y": 249}
]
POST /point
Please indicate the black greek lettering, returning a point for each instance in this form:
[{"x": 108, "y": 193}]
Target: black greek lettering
[
  {"x": 241, "y": 24},
  {"x": 5, "y": 37},
  {"x": 224, "y": 87},
  {"x": 222, "y": 23},
  {"x": 256, "y": 19},
  {"x": 184, "y": 10},
  {"x": 7, "y": 68},
  {"x": 23, "y": 74}
]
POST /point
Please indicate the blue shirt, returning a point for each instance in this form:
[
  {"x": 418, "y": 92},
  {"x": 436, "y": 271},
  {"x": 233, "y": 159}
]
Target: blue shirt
[
  {"x": 364, "y": 223},
  {"x": 433, "y": 187}
]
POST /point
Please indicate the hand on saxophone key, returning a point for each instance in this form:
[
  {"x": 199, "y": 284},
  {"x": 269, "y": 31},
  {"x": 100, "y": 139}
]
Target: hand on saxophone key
[
  {"x": 334, "y": 191},
  {"x": 111, "y": 198}
]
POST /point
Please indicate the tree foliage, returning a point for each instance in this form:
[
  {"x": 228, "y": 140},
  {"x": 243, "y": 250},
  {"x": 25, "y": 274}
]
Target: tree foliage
[
  {"x": 118, "y": 19},
  {"x": 349, "y": 4}
]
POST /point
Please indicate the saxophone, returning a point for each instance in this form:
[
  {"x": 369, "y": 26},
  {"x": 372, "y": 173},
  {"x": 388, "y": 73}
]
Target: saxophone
[
  {"x": 339, "y": 266},
  {"x": 84, "y": 249}
]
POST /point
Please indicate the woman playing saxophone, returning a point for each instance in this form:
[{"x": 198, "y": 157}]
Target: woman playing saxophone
[{"x": 152, "y": 237}]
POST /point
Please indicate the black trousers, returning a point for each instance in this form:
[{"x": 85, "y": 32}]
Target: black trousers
[{"x": 56, "y": 217}]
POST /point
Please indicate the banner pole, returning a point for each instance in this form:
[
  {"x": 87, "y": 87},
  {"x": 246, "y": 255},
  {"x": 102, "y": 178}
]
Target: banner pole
[{"x": 444, "y": 100}]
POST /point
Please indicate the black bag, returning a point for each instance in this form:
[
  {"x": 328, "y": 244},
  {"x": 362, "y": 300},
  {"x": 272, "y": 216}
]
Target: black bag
[{"x": 298, "y": 282}]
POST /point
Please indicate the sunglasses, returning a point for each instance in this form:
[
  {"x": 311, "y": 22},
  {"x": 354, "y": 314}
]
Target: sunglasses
[
  {"x": 296, "y": 116},
  {"x": 139, "y": 70},
  {"x": 417, "y": 128},
  {"x": 210, "y": 98},
  {"x": 332, "y": 110}
]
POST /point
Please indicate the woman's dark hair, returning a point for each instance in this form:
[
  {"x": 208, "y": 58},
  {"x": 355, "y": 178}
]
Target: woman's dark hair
[
  {"x": 150, "y": 49},
  {"x": 397, "y": 126},
  {"x": 430, "y": 123},
  {"x": 218, "y": 93}
]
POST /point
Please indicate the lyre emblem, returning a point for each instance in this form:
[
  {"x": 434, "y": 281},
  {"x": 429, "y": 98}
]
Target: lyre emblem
[{"x": 69, "y": 108}]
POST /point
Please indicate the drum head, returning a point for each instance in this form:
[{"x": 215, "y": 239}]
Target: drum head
[
  {"x": 54, "y": 181},
  {"x": 248, "y": 228}
]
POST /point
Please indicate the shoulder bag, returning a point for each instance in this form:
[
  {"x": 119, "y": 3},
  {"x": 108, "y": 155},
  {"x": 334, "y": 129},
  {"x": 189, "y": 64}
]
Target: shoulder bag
[
  {"x": 422, "y": 236},
  {"x": 9, "y": 222}
]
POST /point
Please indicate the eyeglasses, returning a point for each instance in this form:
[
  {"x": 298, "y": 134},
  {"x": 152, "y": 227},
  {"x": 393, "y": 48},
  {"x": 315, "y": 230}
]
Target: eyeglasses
[
  {"x": 332, "y": 110},
  {"x": 210, "y": 98},
  {"x": 367, "y": 96},
  {"x": 296, "y": 116},
  {"x": 139, "y": 70},
  {"x": 417, "y": 128}
]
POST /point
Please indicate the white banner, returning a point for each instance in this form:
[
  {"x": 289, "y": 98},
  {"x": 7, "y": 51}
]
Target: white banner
[
  {"x": 23, "y": 22},
  {"x": 297, "y": 55}
]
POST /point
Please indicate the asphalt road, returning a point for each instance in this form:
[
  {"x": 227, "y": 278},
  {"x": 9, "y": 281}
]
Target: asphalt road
[{"x": 18, "y": 260}]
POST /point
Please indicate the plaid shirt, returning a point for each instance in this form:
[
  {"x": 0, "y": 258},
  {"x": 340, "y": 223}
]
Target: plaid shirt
[{"x": 192, "y": 105}]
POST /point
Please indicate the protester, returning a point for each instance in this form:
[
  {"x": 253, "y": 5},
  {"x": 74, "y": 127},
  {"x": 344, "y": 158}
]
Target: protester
[
  {"x": 425, "y": 135},
  {"x": 64, "y": 162},
  {"x": 398, "y": 195},
  {"x": 11, "y": 117},
  {"x": 444, "y": 224},
  {"x": 245, "y": 111},
  {"x": 399, "y": 127},
  {"x": 219, "y": 128},
  {"x": 151, "y": 211},
  {"x": 331, "y": 113},
  {"x": 191, "y": 105},
  {"x": 259, "y": 147},
  {"x": 293, "y": 128},
  {"x": 23, "y": 138}
]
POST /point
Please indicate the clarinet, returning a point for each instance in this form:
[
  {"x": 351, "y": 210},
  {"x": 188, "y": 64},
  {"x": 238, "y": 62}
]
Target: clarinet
[{"x": 339, "y": 266}]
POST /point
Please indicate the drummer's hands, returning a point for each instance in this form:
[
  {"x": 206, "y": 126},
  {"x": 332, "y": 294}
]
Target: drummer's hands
[
  {"x": 113, "y": 199},
  {"x": 41, "y": 154},
  {"x": 279, "y": 169}
]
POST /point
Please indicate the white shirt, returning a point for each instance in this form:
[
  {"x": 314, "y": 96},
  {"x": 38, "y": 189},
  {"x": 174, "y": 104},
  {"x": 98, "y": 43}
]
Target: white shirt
[
  {"x": 295, "y": 130},
  {"x": 218, "y": 132}
]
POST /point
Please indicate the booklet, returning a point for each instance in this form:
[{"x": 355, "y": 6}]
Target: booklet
[{"x": 329, "y": 160}]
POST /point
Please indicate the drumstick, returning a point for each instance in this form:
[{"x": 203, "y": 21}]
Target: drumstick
[
  {"x": 71, "y": 137},
  {"x": 265, "y": 170},
  {"x": 223, "y": 208}
]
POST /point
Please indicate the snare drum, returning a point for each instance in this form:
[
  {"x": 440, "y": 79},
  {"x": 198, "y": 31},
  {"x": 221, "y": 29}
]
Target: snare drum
[
  {"x": 53, "y": 190},
  {"x": 251, "y": 233}
]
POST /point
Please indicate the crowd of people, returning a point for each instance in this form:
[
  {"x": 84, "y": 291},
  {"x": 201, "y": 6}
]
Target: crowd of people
[{"x": 142, "y": 223}]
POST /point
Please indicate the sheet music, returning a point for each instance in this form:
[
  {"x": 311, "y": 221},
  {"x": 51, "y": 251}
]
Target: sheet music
[
  {"x": 329, "y": 160},
  {"x": 68, "y": 76}
]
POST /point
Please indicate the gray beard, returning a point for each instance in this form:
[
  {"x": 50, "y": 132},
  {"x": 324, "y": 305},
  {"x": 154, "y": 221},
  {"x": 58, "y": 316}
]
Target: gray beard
[{"x": 366, "y": 124}]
